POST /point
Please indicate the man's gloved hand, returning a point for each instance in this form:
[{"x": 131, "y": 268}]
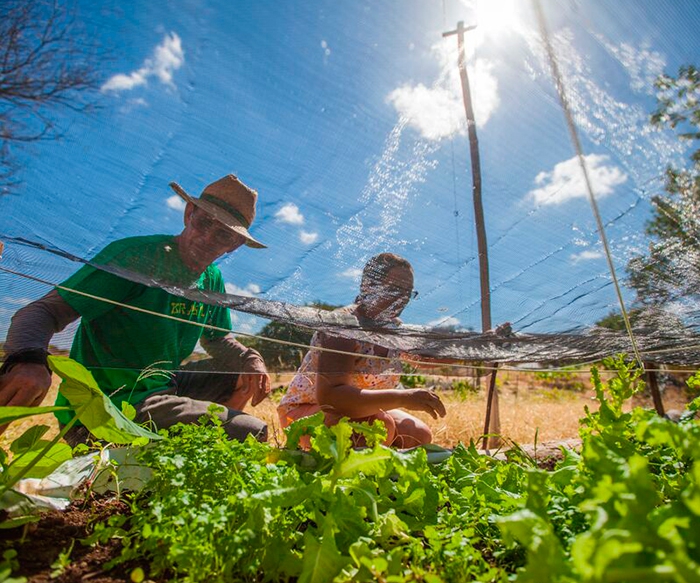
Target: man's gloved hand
[
  {"x": 254, "y": 381},
  {"x": 24, "y": 385}
]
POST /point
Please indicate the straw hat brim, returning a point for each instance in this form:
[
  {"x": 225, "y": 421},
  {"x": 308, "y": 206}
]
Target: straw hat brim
[{"x": 220, "y": 215}]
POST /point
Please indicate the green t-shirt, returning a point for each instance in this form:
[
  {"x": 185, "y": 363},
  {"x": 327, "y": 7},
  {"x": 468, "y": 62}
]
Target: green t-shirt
[{"x": 116, "y": 343}]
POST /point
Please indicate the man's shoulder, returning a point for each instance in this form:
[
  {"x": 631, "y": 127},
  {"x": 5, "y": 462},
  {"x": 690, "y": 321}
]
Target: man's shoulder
[
  {"x": 213, "y": 278},
  {"x": 139, "y": 243},
  {"x": 134, "y": 249}
]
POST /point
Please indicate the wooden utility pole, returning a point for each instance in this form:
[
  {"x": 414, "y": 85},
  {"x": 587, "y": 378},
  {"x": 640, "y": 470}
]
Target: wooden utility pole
[
  {"x": 476, "y": 178},
  {"x": 653, "y": 384},
  {"x": 492, "y": 424}
]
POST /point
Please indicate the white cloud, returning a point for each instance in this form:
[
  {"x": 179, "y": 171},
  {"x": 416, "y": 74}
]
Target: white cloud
[
  {"x": 245, "y": 327},
  {"x": 352, "y": 273},
  {"x": 121, "y": 82},
  {"x": 16, "y": 301},
  {"x": 308, "y": 238},
  {"x": 248, "y": 291},
  {"x": 176, "y": 202},
  {"x": 167, "y": 58},
  {"x": 133, "y": 104},
  {"x": 585, "y": 256},
  {"x": 642, "y": 64},
  {"x": 438, "y": 112},
  {"x": 450, "y": 321},
  {"x": 433, "y": 112},
  {"x": 289, "y": 213},
  {"x": 241, "y": 324},
  {"x": 566, "y": 181},
  {"x": 621, "y": 126}
]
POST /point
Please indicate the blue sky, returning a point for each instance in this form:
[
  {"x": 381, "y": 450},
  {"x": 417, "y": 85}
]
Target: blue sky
[{"x": 347, "y": 118}]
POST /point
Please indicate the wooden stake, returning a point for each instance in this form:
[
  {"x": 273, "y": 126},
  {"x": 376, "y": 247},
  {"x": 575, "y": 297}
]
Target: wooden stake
[
  {"x": 491, "y": 425},
  {"x": 476, "y": 179},
  {"x": 654, "y": 388}
]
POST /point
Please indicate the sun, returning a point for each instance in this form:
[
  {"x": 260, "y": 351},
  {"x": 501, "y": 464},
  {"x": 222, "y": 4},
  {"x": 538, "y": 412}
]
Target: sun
[{"x": 496, "y": 17}]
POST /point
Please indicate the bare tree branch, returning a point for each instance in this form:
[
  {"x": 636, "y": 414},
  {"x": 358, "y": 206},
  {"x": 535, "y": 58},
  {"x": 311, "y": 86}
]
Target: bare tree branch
[{"x": 47, "y": 65}]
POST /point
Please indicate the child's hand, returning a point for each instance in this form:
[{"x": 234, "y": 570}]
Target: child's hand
[{"x": 425, "y": 400}]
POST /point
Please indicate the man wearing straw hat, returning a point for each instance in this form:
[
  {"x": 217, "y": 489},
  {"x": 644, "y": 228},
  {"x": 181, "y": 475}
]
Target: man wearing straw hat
[{"x": 134, "y": 333}]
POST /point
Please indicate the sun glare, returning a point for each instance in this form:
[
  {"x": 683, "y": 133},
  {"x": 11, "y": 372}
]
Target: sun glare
[{"x": 494, "y": 17}]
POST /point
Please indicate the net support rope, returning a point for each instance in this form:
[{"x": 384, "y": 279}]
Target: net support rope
[
  {"x": 465, "y": 348},
  {"x": 417, "y": 363},
  {"x": 198, "y": 324},
  {"x": 573, "y": 132}
]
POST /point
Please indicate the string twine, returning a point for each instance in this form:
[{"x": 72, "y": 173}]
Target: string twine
[{"x": 573, "y": 133}]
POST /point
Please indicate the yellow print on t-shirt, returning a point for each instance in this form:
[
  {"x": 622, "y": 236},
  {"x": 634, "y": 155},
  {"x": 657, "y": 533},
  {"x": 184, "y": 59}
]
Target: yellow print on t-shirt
[{"x": 189, "y": 309}]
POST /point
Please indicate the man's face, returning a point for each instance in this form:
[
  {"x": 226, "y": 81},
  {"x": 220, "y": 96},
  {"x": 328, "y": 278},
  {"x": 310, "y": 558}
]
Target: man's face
[
  {"x": 205, "y": 239},
  {"x": 216, "y": 232}
]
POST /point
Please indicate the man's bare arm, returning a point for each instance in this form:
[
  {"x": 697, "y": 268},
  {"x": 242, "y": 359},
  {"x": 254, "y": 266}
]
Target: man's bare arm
[
  {"x": 24, "y": 376},
  {"x": 253, "y": 381},
  {"x": 33, "y": 325}
]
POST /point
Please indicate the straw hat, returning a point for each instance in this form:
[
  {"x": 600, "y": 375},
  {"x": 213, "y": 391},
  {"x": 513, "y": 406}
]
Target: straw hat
[{"x": 230, "y": 202}]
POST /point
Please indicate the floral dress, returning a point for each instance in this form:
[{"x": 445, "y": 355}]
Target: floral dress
[{"x": 369, "y": 373}]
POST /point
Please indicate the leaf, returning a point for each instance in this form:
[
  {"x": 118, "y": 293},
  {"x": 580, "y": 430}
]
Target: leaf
[
  {"x": 8, "y": 414},
  {"x": 546, "y": 560},
  {"x": 694, "y": 405},
  {"x": 391, "y": 527},
  {"x": 303, "y": 426},
  {"x": 333, "y": 442},
  {"x": 128, "y": 410},
  {"x": 295, "y": 457},
  {"x": 360, "y": 550},
  {"x": 26, "y": 441},
  {"x": 93, "y": 407},
  {"x": 48, "y": 462},
  {"x": 367, "y": 461},
  {"x": 691, "y": 495},
  {"x": 322, "y": 561},
  {"x": 286, "y": 497},
  {"x": 29, "y": 446},
  {"x": 374, "y": 433},
  {"x": 19, "y": 521},
  {"x": 596, "y": 556}
]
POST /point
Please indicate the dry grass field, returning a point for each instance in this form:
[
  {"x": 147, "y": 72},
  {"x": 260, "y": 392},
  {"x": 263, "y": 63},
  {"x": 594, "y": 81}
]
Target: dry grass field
[{"x": 530, "y": 409}]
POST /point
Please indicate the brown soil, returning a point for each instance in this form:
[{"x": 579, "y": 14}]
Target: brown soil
[{"x": 39, "y": 545}]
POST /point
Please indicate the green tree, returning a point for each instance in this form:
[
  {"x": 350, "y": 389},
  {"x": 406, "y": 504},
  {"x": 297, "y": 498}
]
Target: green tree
[
  {"x": 670, "y": 270},
  {"x": 284, "y": 357},
  {"x": 614, "y": 320}
]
